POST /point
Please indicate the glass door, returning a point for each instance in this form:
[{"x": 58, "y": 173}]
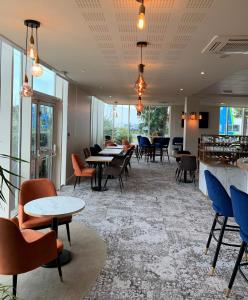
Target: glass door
[{"x": 43, "y": 146}]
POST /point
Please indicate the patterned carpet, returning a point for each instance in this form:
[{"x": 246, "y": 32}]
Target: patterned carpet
[{"x": 155, "y": 232}]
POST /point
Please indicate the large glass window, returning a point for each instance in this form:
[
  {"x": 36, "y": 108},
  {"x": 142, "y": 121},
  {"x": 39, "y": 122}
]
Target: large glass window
[
  {"x": 121, "y": 121},
  {"x": 45, "y": 83},
  {"x": 16, "y": 118},
  {"x": 233, "y": 121}
]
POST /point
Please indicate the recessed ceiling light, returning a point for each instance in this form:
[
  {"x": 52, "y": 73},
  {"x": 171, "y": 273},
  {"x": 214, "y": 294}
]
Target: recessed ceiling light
[
  {"x": 83, "y": 71},
  {"x": 110, "y": 96},
  {"x": 202, "y": 73},
  {"x": 181, "y": 90},
  {"x": 222, "y": 103}
]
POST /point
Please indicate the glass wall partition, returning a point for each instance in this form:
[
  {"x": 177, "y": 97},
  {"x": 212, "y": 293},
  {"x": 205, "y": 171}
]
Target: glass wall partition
[{"x": 121, "y": 121}]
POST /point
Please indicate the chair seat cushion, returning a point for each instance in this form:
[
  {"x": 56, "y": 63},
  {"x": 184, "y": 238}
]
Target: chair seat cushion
[
  {"x": 32, "y": 235},
  {"x": 88, "y": 172},
  {"x": 37, "y": 222}
]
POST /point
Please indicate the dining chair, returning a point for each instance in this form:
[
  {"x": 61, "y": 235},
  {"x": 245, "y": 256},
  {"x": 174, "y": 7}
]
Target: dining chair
[
  {"x": 222, "y": 206},
  {"x": 240, "y": 210},
  {"x": 116, "y": 171},
  {"x": 187, "y": 164},
  {"x": 93, "y": 151},
  {"x": 33, "y": 189},
  {"x": 146, "y": 147},
  {"x": 24, "y": 250},
  {"x": 98, "y": 148},
  {"x": 80, "y": 170},
  {"x": 86, "y": 152}
]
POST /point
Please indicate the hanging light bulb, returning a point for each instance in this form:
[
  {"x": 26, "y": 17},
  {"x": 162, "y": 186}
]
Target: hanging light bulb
[
  {"x": 139, "y": 106},
  {"x": 26, "y": 90},
  {"x": 141, "y": 20},
  {"x": 32, "y": 51},
  {"x": 37, "y": 69}
]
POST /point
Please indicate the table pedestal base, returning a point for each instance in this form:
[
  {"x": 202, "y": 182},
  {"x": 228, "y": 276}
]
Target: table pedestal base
[
  {"x": 99, "y": 189},
  {"x": 65, "y": 258}
]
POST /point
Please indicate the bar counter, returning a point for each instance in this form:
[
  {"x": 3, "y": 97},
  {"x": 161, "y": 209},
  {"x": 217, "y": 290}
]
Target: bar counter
[{"x": 227, "y": 174}]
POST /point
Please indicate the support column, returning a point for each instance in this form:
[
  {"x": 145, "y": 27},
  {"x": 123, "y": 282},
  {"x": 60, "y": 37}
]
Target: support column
[{"x": 191, "y": 127}]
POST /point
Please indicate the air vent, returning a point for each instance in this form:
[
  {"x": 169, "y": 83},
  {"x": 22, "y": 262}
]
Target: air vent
[{"x": 226, "y": 45}]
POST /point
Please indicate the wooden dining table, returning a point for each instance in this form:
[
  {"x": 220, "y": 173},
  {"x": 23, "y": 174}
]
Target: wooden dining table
[{"x": 99, "y": 161}]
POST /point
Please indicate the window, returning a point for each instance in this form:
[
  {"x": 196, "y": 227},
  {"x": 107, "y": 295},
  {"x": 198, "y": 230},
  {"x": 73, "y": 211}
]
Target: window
[
  {"x": 45, "y": 83},
  {"x": 233, "y": 121},
  {"x": 121, "y": 121},
  {"x": 16, "y": 119}
]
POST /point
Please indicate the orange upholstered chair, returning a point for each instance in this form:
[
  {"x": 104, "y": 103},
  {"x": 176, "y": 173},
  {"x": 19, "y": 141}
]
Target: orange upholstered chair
[
  {"x": 23, "y": 251},
  {"x": 31, "y": 190},
  {"x": 80, "y": 170}
]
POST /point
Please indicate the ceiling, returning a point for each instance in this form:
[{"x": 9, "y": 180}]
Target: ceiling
[{"x": 95, "y": 42}]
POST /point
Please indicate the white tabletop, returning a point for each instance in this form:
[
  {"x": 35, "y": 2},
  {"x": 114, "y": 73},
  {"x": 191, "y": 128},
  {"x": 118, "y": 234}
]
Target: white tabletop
[
  {"x": 112, "y": 151},
  {"x": 99, "y": 159},
  {"x": 115, "y": 147},
  {"x": 55, "y": 206}
]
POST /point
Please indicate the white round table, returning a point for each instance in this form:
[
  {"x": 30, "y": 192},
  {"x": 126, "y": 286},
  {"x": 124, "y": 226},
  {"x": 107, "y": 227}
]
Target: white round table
[{"x": 55, "y": 207}]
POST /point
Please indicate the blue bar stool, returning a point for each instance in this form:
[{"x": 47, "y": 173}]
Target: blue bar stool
[
  {"x": 240, "y": 210},
  {"x": 222, "y": 206}
]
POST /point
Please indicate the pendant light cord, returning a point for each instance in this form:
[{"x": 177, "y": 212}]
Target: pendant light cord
[
  {"x": 26, "y": 51},
  {"x": 37, "y": 46}
]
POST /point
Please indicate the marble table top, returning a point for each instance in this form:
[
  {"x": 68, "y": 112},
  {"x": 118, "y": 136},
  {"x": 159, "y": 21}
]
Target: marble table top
[
  {"x": 55, "y": 206},
  {"x": 242, "y": 163},
  {"x": 99, "y": 159},
  {"x": 115, "y": 147},
  {"x": 112, "y": 151}
]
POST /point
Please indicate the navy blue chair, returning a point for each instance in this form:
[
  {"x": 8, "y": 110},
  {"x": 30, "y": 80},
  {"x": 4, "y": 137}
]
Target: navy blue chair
[
  {"x": 177, "y": 143},
  {"x": 240, "y": 209},
  {"x": 222, "y": 205},
  {"x": 98, "y": 148},
  {"x": 162, "y": 143},
  {"x": 146, "y": 147},
  {"x": 93, "y": 151},
  {"x": 138, "y": 149}
]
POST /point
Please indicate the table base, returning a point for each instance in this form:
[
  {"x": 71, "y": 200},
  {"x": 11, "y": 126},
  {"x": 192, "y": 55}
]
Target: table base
[
  {"x": 65, "y": 258},
  {"x": 99, "y": 189}
]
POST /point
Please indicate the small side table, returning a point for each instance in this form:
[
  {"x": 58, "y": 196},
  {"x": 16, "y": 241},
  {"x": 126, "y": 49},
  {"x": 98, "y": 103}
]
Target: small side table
[{"x": 55, "y": 207}]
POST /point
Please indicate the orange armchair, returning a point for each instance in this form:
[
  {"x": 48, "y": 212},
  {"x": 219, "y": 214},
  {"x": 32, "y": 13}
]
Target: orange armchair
[
  {"x": 23, "y": 251},
  {"x": 80, "y": 170},
  {"x": 31, "y": 190}
]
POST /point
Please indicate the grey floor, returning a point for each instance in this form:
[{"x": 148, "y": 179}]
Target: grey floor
[{"x": 155, "y": 232}]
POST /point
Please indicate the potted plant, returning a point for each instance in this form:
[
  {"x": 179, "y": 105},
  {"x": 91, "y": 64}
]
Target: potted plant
[{"x": 6, "y": 291}]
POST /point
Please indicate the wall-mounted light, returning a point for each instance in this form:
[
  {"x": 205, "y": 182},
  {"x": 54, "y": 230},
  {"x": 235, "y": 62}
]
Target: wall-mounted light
[
  {"x": 142, "y": 11},
  {"x": 191, "y": 116},
  {"x": 183, "y": 116}
]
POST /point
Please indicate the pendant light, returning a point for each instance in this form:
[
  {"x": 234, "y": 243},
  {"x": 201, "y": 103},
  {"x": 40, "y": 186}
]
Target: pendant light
[
  {"x": 139, "y": 106},
  {"x": 140, "y": 84},
  {"x": 26, "y": 90},
  {"x": 142, "y": 10}
]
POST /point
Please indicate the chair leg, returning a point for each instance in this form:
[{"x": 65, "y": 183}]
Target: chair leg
[
  {"x": 68, "y": 233},
  {"x": 91, "y": 181},
  {"x": 211, "y": 232},
  {"x": 14, "y": 285},
  {"x": 106, "y": 181},
  {"x": 120, "y": 184},
  {"x": 59, "y": 268},
  {"x": 212, "y": 270},
  {"x": 76, "y": 179},
  {"x": 167, "y": 152},
  {"x": 235, "y": 270},
  {"x": 79, "y": 180}
]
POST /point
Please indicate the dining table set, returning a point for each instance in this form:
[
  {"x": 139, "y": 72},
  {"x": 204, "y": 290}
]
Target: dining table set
[{"x": 104, "y": 157}]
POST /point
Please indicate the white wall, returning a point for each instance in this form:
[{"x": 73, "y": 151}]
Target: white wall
[{"x": 78, "y": 126}]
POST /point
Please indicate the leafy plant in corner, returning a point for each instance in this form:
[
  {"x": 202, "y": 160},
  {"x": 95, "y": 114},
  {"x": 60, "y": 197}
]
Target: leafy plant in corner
[{"x": 5, "y": 290}]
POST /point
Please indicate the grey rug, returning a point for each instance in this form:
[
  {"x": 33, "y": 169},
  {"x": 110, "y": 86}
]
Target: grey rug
[{"x": 156, "y": 232}]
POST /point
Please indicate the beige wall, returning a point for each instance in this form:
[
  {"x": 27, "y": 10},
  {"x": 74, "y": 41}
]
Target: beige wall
[{"x": 78, "y": 127}]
